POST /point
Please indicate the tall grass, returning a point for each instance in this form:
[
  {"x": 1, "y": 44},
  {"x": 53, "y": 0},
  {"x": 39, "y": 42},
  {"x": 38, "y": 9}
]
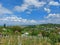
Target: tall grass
[{"x": 29, "y": 40}]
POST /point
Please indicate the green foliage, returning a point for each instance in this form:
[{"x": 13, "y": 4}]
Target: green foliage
[
  {"x": 16, "y": 28},
  {"x": 34, "y": 32},
  {"x": 45, "y": 33},
  {"x": 46, "y": 30}
]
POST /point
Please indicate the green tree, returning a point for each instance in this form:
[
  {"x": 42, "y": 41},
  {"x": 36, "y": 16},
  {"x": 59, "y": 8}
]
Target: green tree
[
  {"x": 16, "y": 28},
  {"x": 4, "y": 25}
]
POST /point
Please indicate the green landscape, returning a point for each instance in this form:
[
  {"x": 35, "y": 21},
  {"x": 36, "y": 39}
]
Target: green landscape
[
  {"x": 43, "y": 34},
  {"x": 29, "y": 22}
]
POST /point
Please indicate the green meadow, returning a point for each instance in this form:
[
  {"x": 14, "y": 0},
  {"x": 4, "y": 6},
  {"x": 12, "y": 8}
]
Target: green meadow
[{"x": 43, "y": 34}]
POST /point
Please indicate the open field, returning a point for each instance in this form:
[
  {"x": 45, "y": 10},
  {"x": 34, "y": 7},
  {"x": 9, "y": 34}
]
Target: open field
[
  {"x": 30, "y": 40},
  {"x": 44, "y": 34}
]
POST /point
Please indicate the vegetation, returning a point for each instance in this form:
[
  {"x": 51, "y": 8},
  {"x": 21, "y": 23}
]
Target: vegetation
[{"x": 42, "y": 31}]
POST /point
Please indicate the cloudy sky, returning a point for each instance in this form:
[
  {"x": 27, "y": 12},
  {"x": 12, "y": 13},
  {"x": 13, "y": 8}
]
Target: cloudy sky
[{"x": 26, "y": 12}]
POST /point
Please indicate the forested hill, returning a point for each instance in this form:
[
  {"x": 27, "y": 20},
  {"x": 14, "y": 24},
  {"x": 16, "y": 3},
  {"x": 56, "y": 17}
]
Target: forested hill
[{"x": 44, "y": 25}]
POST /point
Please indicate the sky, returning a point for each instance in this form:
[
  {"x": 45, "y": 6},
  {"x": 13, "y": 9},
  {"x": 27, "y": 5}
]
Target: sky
[{"x": 29, "y": 12}]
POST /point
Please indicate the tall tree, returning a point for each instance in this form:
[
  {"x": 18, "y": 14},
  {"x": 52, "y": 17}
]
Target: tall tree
[{"x": 4, "y": 25}]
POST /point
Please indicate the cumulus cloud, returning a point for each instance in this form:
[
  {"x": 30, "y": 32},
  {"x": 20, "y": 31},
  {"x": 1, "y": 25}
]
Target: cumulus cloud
[
  {"x": 29, "y": 3},
  {"x": 36, "y": 3},
  {"x": 21, "y": 8},
  {"x": 47, "y": 10},
  {"x": 53, "y": 16},
  {"x": 4, "y": 10},
  {"x": 17, "y": 19},
  {"x": 54, "y": 3}
]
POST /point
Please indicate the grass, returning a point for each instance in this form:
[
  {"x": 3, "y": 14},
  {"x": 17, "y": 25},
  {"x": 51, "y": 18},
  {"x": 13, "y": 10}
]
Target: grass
[{"x": 18, "y": 40}]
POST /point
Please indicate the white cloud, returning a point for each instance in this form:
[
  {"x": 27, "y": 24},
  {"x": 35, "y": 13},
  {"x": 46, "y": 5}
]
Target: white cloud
[
  {"x": 54, "y": 3},
  {"x": 33, "y": 21},
  {"x": 53, "y": 16},
  {"x": 21, "y": 8},
  {"x": 29, "y": 12},
  {"x": 4, "y": 10},
  {"x": 28, "y": 3},
  {"x": 47, "y": 10},
  {"x": 36, "y": 3},
  {"x": 17, "y": 19}
]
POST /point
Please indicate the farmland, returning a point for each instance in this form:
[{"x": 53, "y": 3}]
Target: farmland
[{"x": 43, "y": 34}]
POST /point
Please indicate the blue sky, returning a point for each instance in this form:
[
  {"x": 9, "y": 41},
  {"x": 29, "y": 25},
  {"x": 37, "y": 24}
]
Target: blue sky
[{"x": 28, "y": 12}]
